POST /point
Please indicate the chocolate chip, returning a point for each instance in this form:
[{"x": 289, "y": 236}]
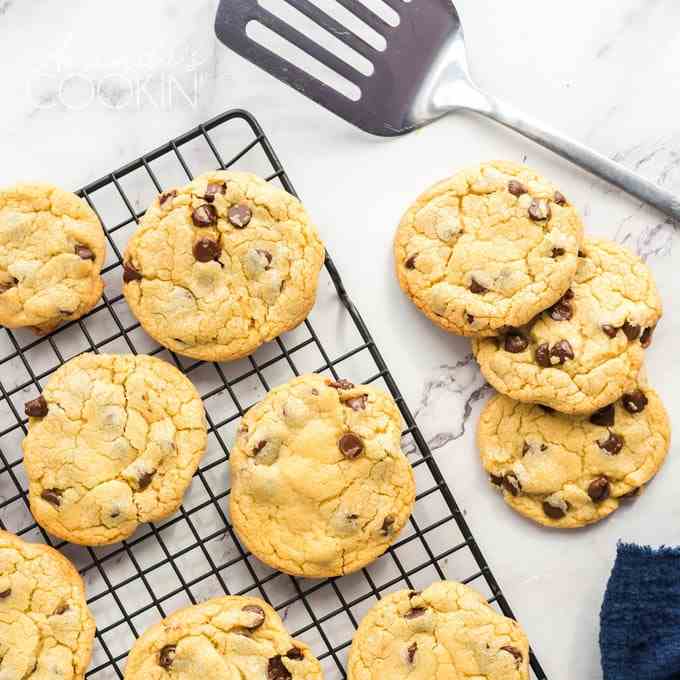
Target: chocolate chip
[
  {"x": 7, "y": 285},
  {"x": 5, "y": 594},
  {"x": 357, "y": 403},
  {"x": 52, "y": 496},
  {"x": 543, "y": 355},
  {"x": 266, "y": 255},
  {"x": 276, "y": 670},
  {"x": 515, "y": 342},
  {"x": 632, "y": 331},
  {"x": 604, "y": 417},
  {"x": 258, "y": 612},
  {"x": 350, "y": 445},
  {"x": 145, "y": 479},
  {"x": 569, "y": 295},
  {"x": 415, "y": 613},
  {"x": 84, "y": 253},
  {"x": 205, "y": 215},
  {"x": 496, "y": 480},
  {"x": 539, "y": 210},
  {"x": 214, "y": 188},
  {"x": 558, "y": 252},
  {"x": 130, "y": 273},
  {"x": 646, "y": 337},
  {"x": 165, "y": 196},
  {"x": 469, "y": 318},
  {"x": 206, "y": 250},
  {"x": 61, "y": 609},
  {"x": 634, "y": 402},
  {"x": 581, "y": 254},
  {"x": 36, "y": 408},
  {"x": 341, "y": 384},
  {"x": 411, "y": 652},
  {"x": 511, "y": 484},
  {"x": 295, "y": 653},
  {"x": 562, "y": 351},
  {"x": 240, "y": 215},
  {"x": 516, "y": 188},
  {"x": 553, "y": 511},
  {"x": 410, "y": 262},
  {"x": 476, "y": 287},
  {"x": 610, "y": 330},
  {"x": 387, "y": 525},
  {"x": 633, "y": 493},
  {"x": 613, "y": 444},
  {"x": 599, "y": 489},
  {"x": 167, "y": 656},
  {"x": 259, "y": 446},
  {"x": 559, "y": 198},
  {"x": 561, "y": 311},
  {"x": 515, "y": 652}
]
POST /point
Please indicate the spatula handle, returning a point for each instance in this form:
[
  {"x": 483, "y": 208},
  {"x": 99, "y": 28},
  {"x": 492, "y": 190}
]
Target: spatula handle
[{"x": 577, "y": 153}]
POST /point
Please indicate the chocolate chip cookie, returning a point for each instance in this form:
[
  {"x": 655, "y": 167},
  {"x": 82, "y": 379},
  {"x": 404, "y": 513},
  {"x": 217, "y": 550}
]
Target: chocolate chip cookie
[
  {"x": 320, "y": 486},
  {"x": 446, "y": 631},
  {"x": 222, "y": 265},
  {"x": 586, "y": 350},
  {"x": 52, "y": 248},
  {"x": 568, "y": 471},
  {"x": 226, "y": 637},
  {"x": 490, "y": 247},
  {"x": 113, "y": 442},
  {"x": 46, "y": 629}
]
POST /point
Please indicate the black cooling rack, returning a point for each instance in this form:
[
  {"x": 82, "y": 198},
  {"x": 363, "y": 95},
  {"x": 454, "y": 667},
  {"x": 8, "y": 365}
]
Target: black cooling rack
[{"x": 195, "y": 554}]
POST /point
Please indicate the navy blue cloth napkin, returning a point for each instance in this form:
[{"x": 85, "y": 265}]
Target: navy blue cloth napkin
[{"x": 640, "y": 617}]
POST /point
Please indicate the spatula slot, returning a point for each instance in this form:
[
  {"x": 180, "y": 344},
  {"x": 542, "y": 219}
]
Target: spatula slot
[
  {"x": 383, "y": 10},
  {"x": 354, "y": 23},
  {"x": 284, "y": 49},
  {"x": 311, "y": 21}
]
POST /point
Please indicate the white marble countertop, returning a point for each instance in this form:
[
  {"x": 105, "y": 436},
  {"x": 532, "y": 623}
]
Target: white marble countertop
[{"x": 606, "y": 72}]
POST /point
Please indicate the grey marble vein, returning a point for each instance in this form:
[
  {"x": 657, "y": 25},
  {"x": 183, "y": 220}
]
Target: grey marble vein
[
  {"x": 447, "y": 401},
  {"x": 633, "y": 19},
  {"x": 655, "y": 240}
]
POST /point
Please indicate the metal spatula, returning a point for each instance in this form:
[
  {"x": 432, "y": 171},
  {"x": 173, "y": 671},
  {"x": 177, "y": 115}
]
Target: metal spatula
[{"x": 420, "y": 76}]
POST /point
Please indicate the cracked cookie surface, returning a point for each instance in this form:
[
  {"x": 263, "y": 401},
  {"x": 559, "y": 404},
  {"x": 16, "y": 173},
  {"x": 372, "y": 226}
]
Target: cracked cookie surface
[
  {"x": 446, "y": 632},
  {"x": 226, "y": 637},
  {"x": 46, "y": 628},
  {"x": 490, "y": 247},
  {"x": 568, "y": 471},
  {"x": 223, "y": 265},
  {"x": 320, "y": 486},
  {"x": 113, "y": 442},
  {"x": 52, "y": 248},
  {"x": 587, "y": 350}
]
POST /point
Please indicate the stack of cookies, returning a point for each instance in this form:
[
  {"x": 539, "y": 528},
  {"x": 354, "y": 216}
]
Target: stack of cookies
[
  {"x": 320, "y": 484},
  {"x": 559, "y": 324}
]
